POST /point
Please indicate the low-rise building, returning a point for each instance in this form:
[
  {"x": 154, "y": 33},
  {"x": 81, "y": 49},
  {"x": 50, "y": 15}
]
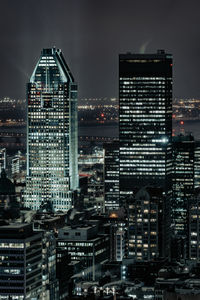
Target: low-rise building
[
  {"x": 86, "y": 245},
  {"x": 20, "y": 262}
]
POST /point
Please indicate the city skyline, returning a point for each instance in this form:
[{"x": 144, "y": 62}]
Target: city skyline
[
  {"x": 117, "y": 219},
  {"x": 93, "y": 34},
  {"x": 100, "y": 165}
]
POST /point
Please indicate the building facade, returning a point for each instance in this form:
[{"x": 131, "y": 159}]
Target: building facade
[
  {"x": 111, "y": 175},
  {"x": 145, "y": 120},
  {"x": 3, "y": 159},
  {"x": 183, "y": 148},
  {"x": 21, "y": 262},
  {"x": 9, "y": 207},
  {"x": 148, "y": 225},
  {"x": 197, "y": 164},
  {"x": 145, "y": 145},
  {"x": 194, "y": 227},
  {"x": 84, "y": 244},
  {"x": 18, "y": 167},
  {"x": 52, "y": 143},
  {"x": 50, "y": 286}
]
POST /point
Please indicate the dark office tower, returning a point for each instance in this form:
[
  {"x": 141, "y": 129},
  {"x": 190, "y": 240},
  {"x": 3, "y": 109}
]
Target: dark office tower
[
  {"x": 145, "y": 121},
  {"x": 111, "y": 175},
  {"x": 52, "y": 168},
  {"x": 182, "y": 181}
]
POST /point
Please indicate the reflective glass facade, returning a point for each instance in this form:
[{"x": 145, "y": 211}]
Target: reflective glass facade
[{"x": 52, "y": 144}]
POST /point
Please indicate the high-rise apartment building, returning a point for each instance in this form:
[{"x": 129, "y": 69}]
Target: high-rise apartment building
[
  {"x": 145, "y": 120},
  {"x": 52, "y": 144}
]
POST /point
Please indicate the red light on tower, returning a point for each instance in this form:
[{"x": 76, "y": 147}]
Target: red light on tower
[
  {"x": 102, "y": 115},
  {"x": 182, "y": 122}
]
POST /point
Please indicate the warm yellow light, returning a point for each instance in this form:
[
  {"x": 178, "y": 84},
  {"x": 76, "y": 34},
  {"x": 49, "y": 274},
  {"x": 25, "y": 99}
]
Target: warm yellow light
[{"x": 113, "y": 215}]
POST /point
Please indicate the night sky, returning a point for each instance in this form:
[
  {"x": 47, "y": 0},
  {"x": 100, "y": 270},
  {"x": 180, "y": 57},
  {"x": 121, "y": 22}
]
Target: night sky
[{"x": 91, "y": 34}]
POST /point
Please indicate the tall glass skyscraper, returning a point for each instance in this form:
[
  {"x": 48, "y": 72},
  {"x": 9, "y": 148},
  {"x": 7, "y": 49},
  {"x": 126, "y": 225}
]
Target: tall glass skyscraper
[
  {"x": 52, "y": 141},
  {"x": 145, "y": 145},
  {"x": 145, "y": 119}
]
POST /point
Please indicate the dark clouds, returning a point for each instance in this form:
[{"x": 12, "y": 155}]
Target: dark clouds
[{"x": 92, "y": 33}]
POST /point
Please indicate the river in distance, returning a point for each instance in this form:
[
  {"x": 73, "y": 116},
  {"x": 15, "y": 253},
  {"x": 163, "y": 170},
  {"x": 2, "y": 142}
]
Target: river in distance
[
  {"x": 112, "y": 131},
  {"x": 105, "y": 130}
]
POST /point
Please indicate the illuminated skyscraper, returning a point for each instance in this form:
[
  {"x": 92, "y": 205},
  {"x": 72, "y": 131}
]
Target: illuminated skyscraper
[
  {"x": 52, "y": 144},
  {"x": 145, "y": 147},
  {"x": 145, "y": 120}
]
